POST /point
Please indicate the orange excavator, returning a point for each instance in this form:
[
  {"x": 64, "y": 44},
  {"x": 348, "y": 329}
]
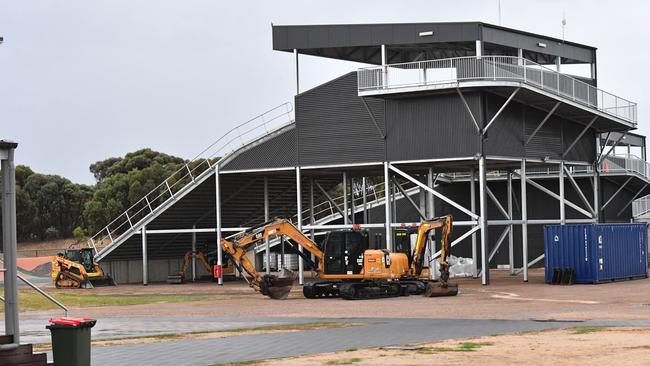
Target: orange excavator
[{"x": 345, "y": 266}]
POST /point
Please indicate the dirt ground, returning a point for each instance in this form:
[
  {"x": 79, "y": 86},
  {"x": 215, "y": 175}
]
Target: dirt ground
[
  {"x": 507, "y": 297},
  {"x": 580, "y": 346}
]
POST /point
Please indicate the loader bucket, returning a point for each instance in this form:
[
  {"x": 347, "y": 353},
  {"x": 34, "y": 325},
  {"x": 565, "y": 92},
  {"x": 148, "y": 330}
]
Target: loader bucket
[
  {"x": 438, "y": 290},
  {"x": 102, "y": 281},
  {"x": 277, "y": 288}
]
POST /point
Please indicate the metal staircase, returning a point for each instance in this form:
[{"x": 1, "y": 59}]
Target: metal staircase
[{"x": 191, "y": 175}]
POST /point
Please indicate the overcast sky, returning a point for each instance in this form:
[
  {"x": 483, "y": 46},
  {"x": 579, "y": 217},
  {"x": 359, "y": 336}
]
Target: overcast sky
[{"x": 83, "y": 80}]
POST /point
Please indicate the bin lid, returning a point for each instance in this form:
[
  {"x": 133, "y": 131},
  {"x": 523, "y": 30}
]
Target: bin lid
[{"x": 73, "y": 322}]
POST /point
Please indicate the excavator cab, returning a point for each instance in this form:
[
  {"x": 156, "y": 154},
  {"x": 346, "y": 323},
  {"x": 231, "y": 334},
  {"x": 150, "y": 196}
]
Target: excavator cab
[{"x": 344, "y": 251}]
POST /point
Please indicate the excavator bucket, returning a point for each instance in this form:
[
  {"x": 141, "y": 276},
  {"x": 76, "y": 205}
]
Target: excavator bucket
[
  {"x": 439, "y": 290},
  {"x": 278, "y": 288}
]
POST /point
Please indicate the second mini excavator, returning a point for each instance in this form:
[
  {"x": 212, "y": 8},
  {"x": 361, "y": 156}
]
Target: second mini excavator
[{"x": 351, "y": 272}]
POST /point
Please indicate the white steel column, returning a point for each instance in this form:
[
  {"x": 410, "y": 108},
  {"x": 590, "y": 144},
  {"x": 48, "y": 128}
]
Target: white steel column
[
  {"x": 431, "y": 211},
  {"x": 479, "y": 49},
  {"x": 596, "y": 193},
  {"x": 301, "y": 272},
  {"x": 9, "y": 241},
  {"x": 524, "y": 220},
  {"x": 365, "y": 200},
  {"x": 312, "y": 217},
  {"x": 511, "y": 244},
  {"x": 345, "y": 199},
  {"x": 352, "y": 206},
  {"x": 217, "y": 202},
  {"x": 194, "y": 254},
  {"x": 472, "y": 195},
  {"x": 562, "y": 204},
  {"x": 384, "y": 63},
  {"x": 482, "y": 183},
  {"x": 387, "y": 210},
  {"x": 145, "y": 264},
  {"x": 267, "y": 249},
  {"x": 295, "y": 52}
]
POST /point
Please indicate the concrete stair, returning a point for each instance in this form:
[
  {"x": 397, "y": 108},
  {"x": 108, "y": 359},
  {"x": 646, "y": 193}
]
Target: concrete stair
[{"x": 21, "y": 356}]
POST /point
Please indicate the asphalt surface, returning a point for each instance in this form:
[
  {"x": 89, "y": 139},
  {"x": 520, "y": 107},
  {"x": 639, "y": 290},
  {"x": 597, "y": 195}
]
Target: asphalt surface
[{"x": 374, "y": 333}]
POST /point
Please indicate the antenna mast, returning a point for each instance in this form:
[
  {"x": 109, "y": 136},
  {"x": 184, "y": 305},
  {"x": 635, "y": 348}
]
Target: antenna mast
[{"x": 499, "y": 9}]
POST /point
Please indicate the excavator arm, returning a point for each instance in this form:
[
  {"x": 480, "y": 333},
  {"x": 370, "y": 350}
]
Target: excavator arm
[
  {"x": 272, "y": 286},
  {"x": 446, "y": 224}
]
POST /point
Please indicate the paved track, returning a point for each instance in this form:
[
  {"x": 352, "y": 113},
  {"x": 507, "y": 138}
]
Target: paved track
[{"x": 377, "y": 332}]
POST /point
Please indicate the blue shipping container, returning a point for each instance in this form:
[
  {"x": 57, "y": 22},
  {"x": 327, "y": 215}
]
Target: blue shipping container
[{"x": 597, "y": 252}]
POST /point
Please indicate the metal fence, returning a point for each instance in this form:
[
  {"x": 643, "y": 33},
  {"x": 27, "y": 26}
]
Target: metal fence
[
  {"x": 192, "y": 172},
  {"x": 449, "y": 72}
]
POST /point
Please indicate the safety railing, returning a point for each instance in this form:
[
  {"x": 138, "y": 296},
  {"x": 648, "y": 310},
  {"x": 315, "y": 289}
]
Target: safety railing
[
  {"x": 191, "y": 173},
  {"x": 444, "y": 73},
  {"x": 37, "y": 289},
  {"x": 641, "y": 208}
]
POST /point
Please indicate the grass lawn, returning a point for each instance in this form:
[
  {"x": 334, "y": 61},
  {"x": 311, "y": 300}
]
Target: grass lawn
[{"x": 31, "y": 300}]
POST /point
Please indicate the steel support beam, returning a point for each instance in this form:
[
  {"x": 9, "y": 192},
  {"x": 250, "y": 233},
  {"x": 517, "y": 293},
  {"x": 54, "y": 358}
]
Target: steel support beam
[
  {"x": 603, "y": 157},
  {"x": 387, "y": 210},
  {"x": 301, "y": 264},
  {"x": 596, "y": 187},
  {"x": 616, "y": 193},
  {"x": 524, "y": 219},
  {"x": 557, "y": 197},
  {"x": 632, "y": 200},
  {"x": 217, "y": 203},
  {"x": 562, "y": 201},
  {"x": 434, "y": 192},
  {"x": 469, "y": 111},
  {"x": 511, "y": 243},
  {"x": 345, "y": 199},
  {"x": 472, "y": 195},
  {"x": 497, "y": 203},
  {"x": 578, "y": 190},
  {"x": 539, "y": 127},
  {"x": 409, "y": 199},
  {"x": 430, "y": 209},
  {"x": 530, "y": 264},
  {"x": 564, "y": 154},
  {"x": 296, "y": 55},
  {"x": 494, "y": 118},
  {"x": 329, "y": 198},
  {"x": 458, "y": 240},
  {"x": 145, "y": 261},
  {"x": 365, "y": 200},
  {"x": 482, "y": 184},
  {"x": 352, "y": 205},
  {"x": 9, "y": 243},
  {"x": 502, "y": 237},
  {"x": 194, "y": 255},
  {"x": 267, "y": 217}
]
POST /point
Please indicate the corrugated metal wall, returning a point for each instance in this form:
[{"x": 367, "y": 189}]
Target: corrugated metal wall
[
  {"x": 432, "y": 127},
  {"x": 334, "y": 126},
  {"x": 279, "y": 151}
]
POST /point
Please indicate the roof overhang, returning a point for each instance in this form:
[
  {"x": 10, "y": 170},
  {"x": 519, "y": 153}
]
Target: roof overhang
[{"x": 406, "y": 42}]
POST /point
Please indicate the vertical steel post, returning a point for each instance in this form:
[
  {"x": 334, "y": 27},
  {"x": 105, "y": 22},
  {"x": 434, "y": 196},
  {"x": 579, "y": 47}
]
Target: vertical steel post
[
  {"x": 295, "y": 52},
  {"x": 596, "y": 193},
  {"x": 562, "y": 204},
  {"x": 267, "y": 249},
  {"x": 145, "y": 257},
  {"x": 393, "y": 190},
  {"x": 431, "y": 210},
  {"x": 431, "y": 213},
  {"x": 217, "y": 194},
  {"x": 365, "y": 200},
  {"x": 9, "y": 242},
  {"x": 389, "y": 240},
  {"x": 345, "y": 199},
  {"x": 352, "y": 205},
  {"x": 312, "y": 217},
  {"x": 524, "y": 220},
  {"x": 301, "y": 272},
  {"x": 384, "y": 63},
  {"x": 511, "y": 243},
  {"x": 194, "y": 254},
  {"x": 472, "y": 197},
  {"x": 482, "y": 183}
]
